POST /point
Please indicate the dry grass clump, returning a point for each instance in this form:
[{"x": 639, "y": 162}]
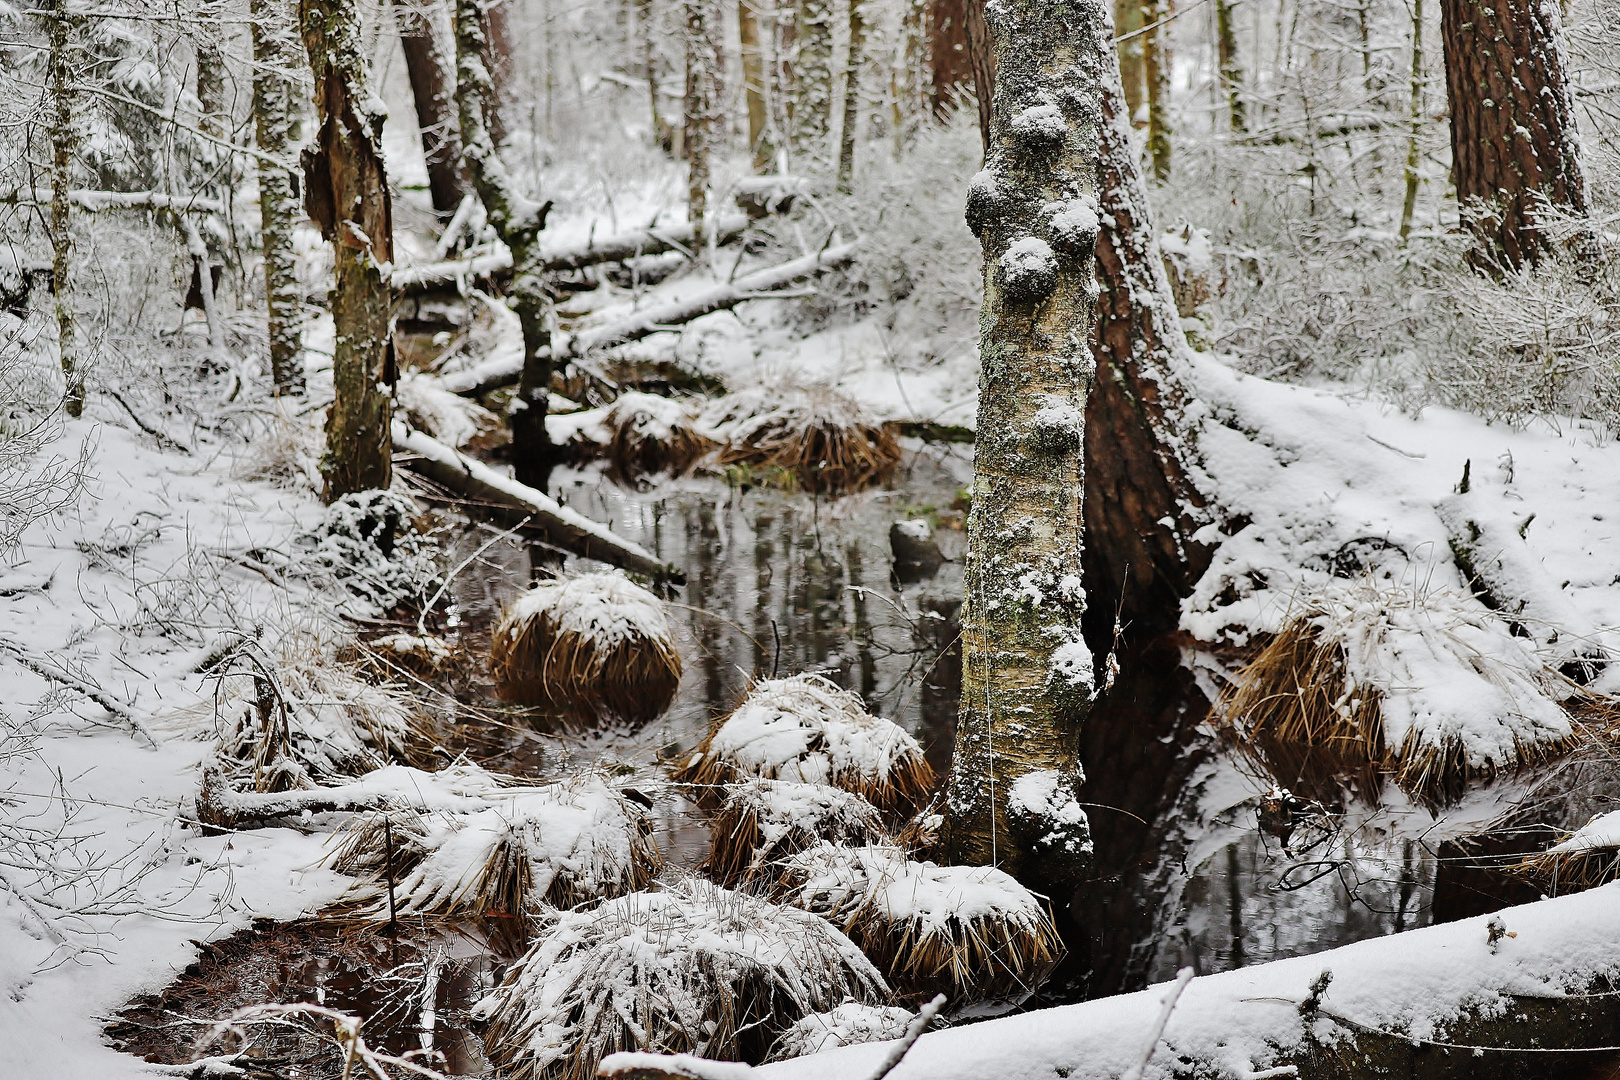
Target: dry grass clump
[
  {"x": 806, "y": 728},
  {"x": 824, "y": 439},
  {"x": 651, "y": 434},
  {"x": 490, "y": 846},
  {"x": 847, "y": 1025},
  {"x": 1585, "y": 859},
  {"x": 285, "y": 450},
  {"x": 762, "y": 822},
  {"x": 587, "y": 645},
  {"x": 694, "y": 968},
  {"x": 969, "y": 931}
]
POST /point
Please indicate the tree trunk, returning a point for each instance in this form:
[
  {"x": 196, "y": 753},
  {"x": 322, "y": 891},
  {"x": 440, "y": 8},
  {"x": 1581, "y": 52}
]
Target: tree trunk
[
  {"x": 982, "y": 59},
  {"x": 753, "y": 70},
  {"x": 1156, "y": 80},
  {"x": 812, "y": 78},
  {"x": 275, "y": 130},
  {"x": 1513, "y": 135},
  {"x": 519, "y": 222},
  {"x": 431, "y": 90},
  {"x": 497, "y": 57},
  {"x": 1027, "y": 675},
  {"x": 950, "y": 67},
  {"x": 852, "y": 96},
  {"x": 703, "y": 93},
  {"x": 64, "y": 142},
  {"x": 1415, "y": 120},
  {"x": 346, "y": 194},
  {"x": 1142, "y": 502},
  {"x": 662, "y": 133},
  {"x": 1231, "y": 71},
  {"x": 1127, "y": 23}
]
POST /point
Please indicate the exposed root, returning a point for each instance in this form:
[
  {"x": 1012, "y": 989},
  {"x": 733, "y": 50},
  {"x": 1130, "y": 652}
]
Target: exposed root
[
  {"x": 763, "y": 822},
  {"x": 691, "y": 969},
  {"x": 819, "y": 436},
  {"x": 808, "y": 729},
  {"x": 588, "y": 645}
]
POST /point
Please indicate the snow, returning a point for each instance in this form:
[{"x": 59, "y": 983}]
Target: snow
[
  {"x": 1045, "y": 795},
  {"x": 847, "y": 1025},
  {"x": 1029, "y": 269},
  {"x": 1072, "y": 665},
  {"x": 1042, "y": 124},
  {"x": 606, "y": 608},
  {"x": 448, "y": 417},
  {"x": 1244, "y": 1020},
  {"x": 915, "y": 529},
  {"x": 1600, "y": 834}
]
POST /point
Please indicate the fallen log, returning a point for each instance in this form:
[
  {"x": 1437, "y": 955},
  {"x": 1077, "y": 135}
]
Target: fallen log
[
  {"x": 762, "y": 285},
  {"x": 561, "y": 526}
]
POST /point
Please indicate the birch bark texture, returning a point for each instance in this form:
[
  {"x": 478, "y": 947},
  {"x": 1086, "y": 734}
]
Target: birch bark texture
[
  {"x": 64, "y": 145},
  {"x": 275, "y": 127},
  {"x": 1514, "y": 142},
  {"x": 346, "y": 194},
  {"x": 1027, "y": 680}
]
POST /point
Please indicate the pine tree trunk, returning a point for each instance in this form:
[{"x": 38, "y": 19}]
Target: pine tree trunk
[
  {"x": 518, "y": 221},
  {"x": 1156, "y": 80},
  {"x": 1027, "y": 676},
  {"x": 1143, "y": 504},
  {"x": 703, "y": 92},
  {"x": 346, "y": 194},
  {"x": 497, "y": 58},
  {"x": 812, "y": 77},
  {"x": 275, "y": 129},
  {"x": 1127, "y": 24},
  {"x": 431, "y": 90},
  {"x": 982, "y": 59},
  {"x": 754, "y": 85},
  {"x": 1513, "y": 135},
  {"x": 64, "y": 143},
  {"x": 1231, "y": 71},
  {"x": 852, "y": 96},
  {"x": 949, "y": 66},
  {"x": 1415, "y": 120}
]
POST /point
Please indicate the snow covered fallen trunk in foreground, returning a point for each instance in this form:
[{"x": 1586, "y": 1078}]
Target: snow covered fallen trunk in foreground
[
  {"x": 1390, "y": 1007},
  {"x": 561, "y": 526}
]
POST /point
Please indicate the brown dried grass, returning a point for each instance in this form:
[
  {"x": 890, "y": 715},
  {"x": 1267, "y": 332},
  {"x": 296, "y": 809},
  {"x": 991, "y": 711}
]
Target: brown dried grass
[
  {"x": 1564, "y": 872},
  {"x": 637, "y": 448},
  {"x": 752, "y": 834},
  {"x": 819, "y": 437},
  {"x": 535, "y": 664}
]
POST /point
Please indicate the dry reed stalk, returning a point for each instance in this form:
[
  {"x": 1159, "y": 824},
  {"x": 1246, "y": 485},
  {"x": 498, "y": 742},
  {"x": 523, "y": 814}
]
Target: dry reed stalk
[
  {"x": 763, "y": 822},
  {"x": 1572, "y": 871},
  {"x": 650, "y": 434},
  {"x": 824, "y": 439}
]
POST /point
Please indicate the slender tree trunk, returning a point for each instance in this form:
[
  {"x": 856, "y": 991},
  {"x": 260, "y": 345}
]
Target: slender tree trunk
[
  {"x": 431, "y": 90},
  {"x": 1231, "y": 69},
  {"x": 812, "y": 77},
  {"x": 346, "y": 194},
  {"x": 982, "y": 59},
  {"x": 949, "y": 65},
  {"x": 64, "y": 143},
  {"x": 1513, "y": 136},
  {"x": 1156, "y": 80},
  {"x": 1027, "y": 675},
  {"x": 275, "y": 129},
  {"x": 754, "y": 85},
  {"x": 703, "y": 94},
  {"x": 1415, "y": 120},
  {"x": 1143, "y": 500},
  {"x": 519, "y": 222},
  {"x": 852, "y": 96},
  {"x": 498, "y": 62},
  {"x": 663, "y": 134},
  {"x": 1127, "y": 23}
]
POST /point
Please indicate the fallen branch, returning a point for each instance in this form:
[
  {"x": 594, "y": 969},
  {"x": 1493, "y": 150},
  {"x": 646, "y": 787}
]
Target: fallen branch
[
  {"x": 561, "y": 526},
  {"x": 62, "y": 678},
  {"x": 88, "y": 199},
  {"x": 914, "y": 1030}
]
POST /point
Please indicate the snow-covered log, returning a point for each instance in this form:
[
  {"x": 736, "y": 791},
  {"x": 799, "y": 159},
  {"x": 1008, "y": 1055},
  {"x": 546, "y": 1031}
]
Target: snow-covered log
[
  {"x": 561, "y": 526},
  {"x": 93, "y": 201}
]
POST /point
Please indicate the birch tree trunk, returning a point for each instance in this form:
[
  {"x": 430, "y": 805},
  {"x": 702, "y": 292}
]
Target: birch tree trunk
[
  {"x": 1027, "y": 675},
  {"x": 346, "y": 194},
  {"x": 519, "y": 222},
  {"x": 812, "y": 78},
  {"x": 852, "y": 96},
  {"x": 1156, "y": 81},
  {"x": 703, "y": 91},
  {"x": 1415, "y": 122},
  {"x": 275, "y": 129},
  {"x": 64, "y": 143},
  {"x": 1231, "y": 71},
  {"x": 431, "y": 90},
  {"x": 754, "y": 86},
  {"x": 1513, "y": 136}
]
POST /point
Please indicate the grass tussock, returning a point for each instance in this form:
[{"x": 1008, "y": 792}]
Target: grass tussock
[
  {"x": 694, "y": 968},
  {"x": 587, "y": 646},
  {"x": 821, "y": 438},
  {"x": 971, "y": 932},
  {"x": 807, "y": 729},
  {"x": 648, "y": 434},
  {"x": 763, "y": 822}
]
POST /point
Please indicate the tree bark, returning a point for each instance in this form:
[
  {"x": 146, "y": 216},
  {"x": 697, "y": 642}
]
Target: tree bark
[
  {"x": 1127, "y": 21},
  {"x": 982, "y": 60},
  {"x": 64, "y": 143},
  {"x": 812, "y": 78},
  {"x": 1143, "y": 502},
  {"x": 949, "y": 66},
  {"x": 754, "y": 85},
  {"x": 1415, "y": 121},
  {"x": 852, "y": 96},
  {"x": 497, "y": 57},
  {"x": 346, "y": 194},
  {"x": 662, "y": 133},
  {"x": 1231, "y": 70},
  {"x": 519, "y": 222},
  {"x": 703, "y": 94},
  {"x": 275, "y": 130},
  {"x": 1514, "y": 141},
  {"x": 1027, "y": 676},
  {"x": 1156, "y": 81},
  {"x": 431, "y": 90}
]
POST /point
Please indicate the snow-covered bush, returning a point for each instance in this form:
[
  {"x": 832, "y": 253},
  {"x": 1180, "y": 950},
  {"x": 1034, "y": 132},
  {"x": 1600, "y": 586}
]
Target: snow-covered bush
[
  {"x": 692, "y": 968},
  {"x": 1585, "y": 859},
  {"x": 284, "y": 449},
  {"x": 587, "y": 644},
  {"x": 652, "y": 434},
  {"x": 33, "y": 482},
  {"x": 847, "y": 1025},
  {"x": 452, "y": 419},
  {"x": 762, "y": 822},
  {"x": 807, "y": 729},
  {"x": 370, "y": 544},
  {"x": 819, "y": 437}
]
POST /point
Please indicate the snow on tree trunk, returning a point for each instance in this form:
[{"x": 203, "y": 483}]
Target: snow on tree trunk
[
  {"x": 753, "y": 71},
  {"x": 275, "y": 130},
  {"x": 1142, "y": 502},
  {"x": 1415, "y": 121},
  {"x": 64, "y": 141},
  {"x": 431, "y": 90},
  {"x": 852, "y": 95},
  {"x": 1514, "y": 141},
  {"x": 346, "y": 194},
  {"x": 701, "y": 24},
  {"x": 1027, "y": 675},
  {"x": 812, "y": 78},
  {"x": 1156, "y": 69},
  {"x": 519, "y": 222}
]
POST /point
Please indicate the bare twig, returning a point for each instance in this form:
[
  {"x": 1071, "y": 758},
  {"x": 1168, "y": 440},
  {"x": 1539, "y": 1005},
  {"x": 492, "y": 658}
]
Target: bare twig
[
  {"x": 914, "y": 1030},
  {"x": 62, "y": 678},
  {"x": 1183, "y": 977}
]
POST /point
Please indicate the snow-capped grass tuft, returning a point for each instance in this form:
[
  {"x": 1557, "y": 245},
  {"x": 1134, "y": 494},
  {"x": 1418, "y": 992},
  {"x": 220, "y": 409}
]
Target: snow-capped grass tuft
[
  {"x": 452, "y": 419},
  {"x": 285, "y": 450},
  {"x": 1585, "y": 859},
  {"x": 587, "y": 645},
  {"x": 970, "y": 931},
  {"x": 820, "y": 437},
  {"x": 1373, "y": 678},
  {"x": 846, "y": 1025},
  {"x": 652, "y": 434},
  {"x": 806, "y": 728},
  {"x": 503, "y": 849},
  {"x": 694, "y": 968},
  {"x": 763, "y": 822}
]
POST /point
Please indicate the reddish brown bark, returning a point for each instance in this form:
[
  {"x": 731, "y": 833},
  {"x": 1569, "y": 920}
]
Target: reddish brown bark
[
  {"x": 949, "y": 66},
  {"x": 1513, "y": 133},
  {"x": 431, "y": 87},
  {"x": 983, "y": 62}
]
